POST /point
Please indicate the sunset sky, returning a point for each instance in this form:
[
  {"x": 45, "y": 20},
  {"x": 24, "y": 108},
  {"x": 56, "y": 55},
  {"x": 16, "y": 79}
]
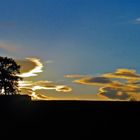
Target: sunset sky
[{"x": 74, "y": 49}]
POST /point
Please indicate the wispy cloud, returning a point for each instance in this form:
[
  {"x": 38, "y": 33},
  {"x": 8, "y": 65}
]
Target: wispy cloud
[
  {"x": 33, "y": 88},
  {"x": 33, "y": 67},
  {"x": 137, "y": 20},
  {"x": 94, "y": 81},
  {"x": 74, "y": 76},
  {"x": 9, "y": 47}
]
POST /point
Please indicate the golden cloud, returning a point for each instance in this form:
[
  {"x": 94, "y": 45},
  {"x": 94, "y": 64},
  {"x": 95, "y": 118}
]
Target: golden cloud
[
  {"x": 125, "y": 87},
  {"x": 74, "y": 76},
  {"x": 113, "y": 93},
  {"x": 123, "y": 74},
  {"x": 32, "y": 67},
  {"x": 110, "y": 89},
  {"x": 99, "y": 81},
  {"x": 34, "y": 94},
  {"x": 38, "y": 66},
  {"x": 120, "y": 91},
  {"x": 39, "y": 96},
  {"x": 26, "y": 65},
  {"x": 31, "y": 88},
  {"x": 63, "y": 88}
]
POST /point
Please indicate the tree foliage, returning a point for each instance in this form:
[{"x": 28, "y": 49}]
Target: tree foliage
[{"x": 9, "y": 70}]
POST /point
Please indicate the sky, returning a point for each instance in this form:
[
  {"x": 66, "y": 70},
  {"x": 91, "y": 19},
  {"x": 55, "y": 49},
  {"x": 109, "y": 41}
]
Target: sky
[{"x": 74, "y": 49}]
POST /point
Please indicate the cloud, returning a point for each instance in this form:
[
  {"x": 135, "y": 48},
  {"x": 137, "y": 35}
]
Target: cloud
[
  {"x": 63, "y": 88},
  {"x": 48, "y": 85},
  {"x": 31, "y": 67},
  {"x": 123, "y": 74},
  {"x": 125, "y": 87},
  {"x": 131, "y": 88},
  {"x": 32, "y": 88},
  {"x": 119, "y": 91},
  {"x": 9, "y": 47},
  {"x": 74, "y": 76},
  {"x": 26, "y": 65},
  {"x": 113, "y": 93},
  {"x": 35, "y": 67},
  {"x": 135, "y": 97},
  {"x": 99, "y": 81},
  {"x": 43, "y": 85},
  {"x": 80, "y": 97},
  {"x": 137, "y": 20},
  {"x": 34, "y": 94},
  {"x": 123, "y": 84},
  {"x": 109, "y": 89},
  {"x": 39, "y": 96}
]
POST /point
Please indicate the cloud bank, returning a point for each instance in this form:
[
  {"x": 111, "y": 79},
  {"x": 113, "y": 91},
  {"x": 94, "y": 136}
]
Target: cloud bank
[
  {"x": 123, "y": 84},
  {"x": 126, "y": 85}
]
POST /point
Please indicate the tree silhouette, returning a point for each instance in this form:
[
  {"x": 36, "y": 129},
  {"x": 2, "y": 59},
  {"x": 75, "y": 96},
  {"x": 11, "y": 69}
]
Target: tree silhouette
[{"x": 8, "y": 76}]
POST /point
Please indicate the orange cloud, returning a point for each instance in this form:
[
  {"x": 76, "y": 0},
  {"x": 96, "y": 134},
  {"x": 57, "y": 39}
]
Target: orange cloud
[
  {"x": 110, "y": 89},
  {"x": 99, "y": 81},
  {"x": 113, "y": 93},
  {"x": 123, "y": 74}
]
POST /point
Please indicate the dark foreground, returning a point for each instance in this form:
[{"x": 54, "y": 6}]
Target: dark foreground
[{"x": 71, "y": 116}]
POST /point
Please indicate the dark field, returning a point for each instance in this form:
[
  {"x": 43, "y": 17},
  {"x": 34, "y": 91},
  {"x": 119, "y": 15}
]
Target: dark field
[{"x": 71, "y": 116}]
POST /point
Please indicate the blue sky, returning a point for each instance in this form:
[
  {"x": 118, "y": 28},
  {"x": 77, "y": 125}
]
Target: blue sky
[{"x": 88, "y": 37}]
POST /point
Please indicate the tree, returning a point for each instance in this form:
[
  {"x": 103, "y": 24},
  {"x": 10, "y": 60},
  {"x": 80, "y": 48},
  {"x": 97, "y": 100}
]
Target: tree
[{"x": 9, "y": 80}]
